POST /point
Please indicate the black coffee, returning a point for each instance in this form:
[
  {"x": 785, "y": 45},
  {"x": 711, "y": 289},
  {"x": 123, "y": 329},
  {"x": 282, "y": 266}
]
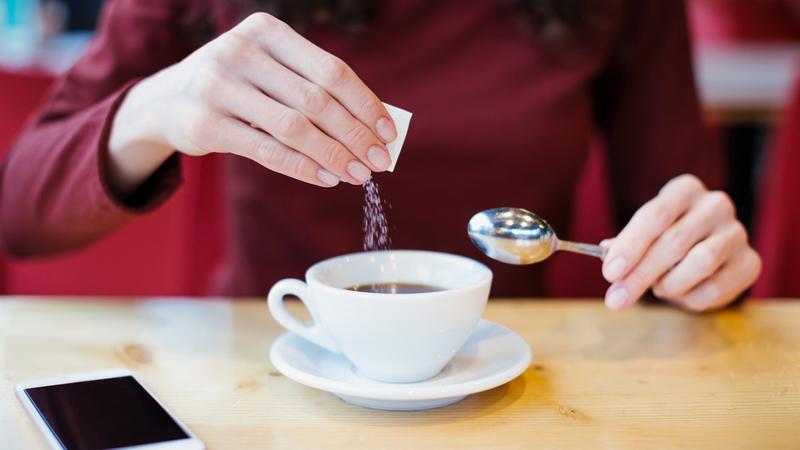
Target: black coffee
[{"x": 395, "y": 288}]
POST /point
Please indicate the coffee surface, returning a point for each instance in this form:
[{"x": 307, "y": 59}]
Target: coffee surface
[{"x": 395, "y": 288}]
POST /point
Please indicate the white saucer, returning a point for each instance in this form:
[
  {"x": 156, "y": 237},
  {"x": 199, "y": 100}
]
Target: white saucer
[{"x": 492, "y": 356}]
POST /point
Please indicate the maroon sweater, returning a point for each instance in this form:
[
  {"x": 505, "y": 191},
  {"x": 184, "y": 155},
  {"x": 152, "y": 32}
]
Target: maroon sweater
[{"x": 499, "y": 120}]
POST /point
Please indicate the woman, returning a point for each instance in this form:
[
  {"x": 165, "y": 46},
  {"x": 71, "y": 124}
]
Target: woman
[{"x": 505, "y": 96}]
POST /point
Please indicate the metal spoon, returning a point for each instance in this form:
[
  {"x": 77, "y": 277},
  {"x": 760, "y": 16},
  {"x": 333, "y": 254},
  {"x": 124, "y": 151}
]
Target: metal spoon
[{"x": 518, "y": 236}]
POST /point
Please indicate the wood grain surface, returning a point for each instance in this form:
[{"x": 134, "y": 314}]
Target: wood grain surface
[{"x": 651, "y": 377}]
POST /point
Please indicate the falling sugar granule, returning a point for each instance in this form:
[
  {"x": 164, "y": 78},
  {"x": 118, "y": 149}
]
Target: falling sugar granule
[{"x": 376, "y": 227}]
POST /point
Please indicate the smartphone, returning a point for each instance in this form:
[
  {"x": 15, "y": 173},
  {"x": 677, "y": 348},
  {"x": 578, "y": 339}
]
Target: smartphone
[{"x": 102, "y": 410}]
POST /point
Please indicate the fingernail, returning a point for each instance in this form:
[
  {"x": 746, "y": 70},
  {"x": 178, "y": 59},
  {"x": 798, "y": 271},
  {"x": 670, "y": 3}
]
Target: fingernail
[
  {"x": 615, "y": 268},
  {"x": 378, "y": 157},
  {"x": 358, "y": 171},
  {"x": 327, "y": 177},
  {"x": 617, "y": 298},
  {"x": 605, "y": 243},
  {"x": 386, "y": 129}
]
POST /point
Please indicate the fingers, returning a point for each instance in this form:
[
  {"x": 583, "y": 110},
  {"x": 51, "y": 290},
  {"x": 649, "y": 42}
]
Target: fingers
[
  {"x": 724, "y": 286},
  {"x": 647, "y": 224},
  {"x": 702, "y": 261},
  {"x": 320, "y": 107},
  {"x": 672, "y": 246},
  {"x": 295, "y": 131},
  {"x": 687, "y": 245},
  {"x": 233, "y": 136},
  {"x": 322, "y": 69}
]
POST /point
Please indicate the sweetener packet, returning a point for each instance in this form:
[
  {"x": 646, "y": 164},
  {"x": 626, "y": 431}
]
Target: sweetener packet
[{"x": 402, "y": 119}]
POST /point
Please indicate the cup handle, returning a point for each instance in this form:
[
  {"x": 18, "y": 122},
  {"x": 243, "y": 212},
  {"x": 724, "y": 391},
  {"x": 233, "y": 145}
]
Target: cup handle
[{"x": 311, "y": 330}]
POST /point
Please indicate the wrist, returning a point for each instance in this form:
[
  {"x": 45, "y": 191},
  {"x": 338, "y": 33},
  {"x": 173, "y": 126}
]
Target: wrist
[
  {"x": 136, "y": 143},
  {"x": 136, "y": 125}
]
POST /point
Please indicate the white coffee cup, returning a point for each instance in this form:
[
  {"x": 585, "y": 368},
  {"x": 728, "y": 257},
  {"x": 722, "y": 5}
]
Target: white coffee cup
[{"x": 389, "y": 337}]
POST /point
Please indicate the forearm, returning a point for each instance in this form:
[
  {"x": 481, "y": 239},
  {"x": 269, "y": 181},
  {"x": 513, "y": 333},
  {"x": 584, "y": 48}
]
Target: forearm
[{"x": 54, "y": 193}]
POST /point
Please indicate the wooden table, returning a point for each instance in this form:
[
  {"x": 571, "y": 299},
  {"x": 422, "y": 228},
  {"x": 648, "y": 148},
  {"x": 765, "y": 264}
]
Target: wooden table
[{"x": 649, "y": 377}]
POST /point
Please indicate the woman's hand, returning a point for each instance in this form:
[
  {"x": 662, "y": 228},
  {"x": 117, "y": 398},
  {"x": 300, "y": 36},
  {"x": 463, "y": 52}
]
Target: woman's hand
[
  {"x": 260, "y": 91},
  {"x": 686, "y": 245}
]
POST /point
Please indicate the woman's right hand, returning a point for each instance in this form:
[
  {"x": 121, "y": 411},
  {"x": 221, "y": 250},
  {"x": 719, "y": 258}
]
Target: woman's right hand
[{"x": 260, "y": 91}]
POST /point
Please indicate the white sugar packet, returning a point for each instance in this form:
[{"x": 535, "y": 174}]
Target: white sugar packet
[{"x": 402, "y": 119}]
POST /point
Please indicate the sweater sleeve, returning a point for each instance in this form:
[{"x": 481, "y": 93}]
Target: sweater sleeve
[
  {"x": 647, "y": 108},
  {"x": 53, "y": 190}
]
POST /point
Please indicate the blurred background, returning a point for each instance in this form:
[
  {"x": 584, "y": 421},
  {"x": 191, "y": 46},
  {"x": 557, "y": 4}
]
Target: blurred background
[{"x": 746, "y": 54}]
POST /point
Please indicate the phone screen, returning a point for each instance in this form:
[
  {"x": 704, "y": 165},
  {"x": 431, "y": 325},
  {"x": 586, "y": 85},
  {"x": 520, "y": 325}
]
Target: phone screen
[{"x": 103, "y": 414}]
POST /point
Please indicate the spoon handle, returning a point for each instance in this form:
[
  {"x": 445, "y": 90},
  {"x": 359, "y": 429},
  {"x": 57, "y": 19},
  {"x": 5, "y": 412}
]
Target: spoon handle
[{"x": 583, "y": 249}]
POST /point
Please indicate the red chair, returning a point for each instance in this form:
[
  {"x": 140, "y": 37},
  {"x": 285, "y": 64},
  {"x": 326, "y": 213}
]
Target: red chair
[
  {"x": 778, "y": 228},
  {"x": 172, "y": 251}
]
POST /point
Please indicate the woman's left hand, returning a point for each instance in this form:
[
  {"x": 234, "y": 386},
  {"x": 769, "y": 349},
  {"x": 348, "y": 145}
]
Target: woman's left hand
[{"x": 687, "y": 245}]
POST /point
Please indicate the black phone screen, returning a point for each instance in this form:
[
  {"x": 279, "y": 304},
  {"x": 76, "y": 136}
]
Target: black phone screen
[{"x": 103, "y": 414}]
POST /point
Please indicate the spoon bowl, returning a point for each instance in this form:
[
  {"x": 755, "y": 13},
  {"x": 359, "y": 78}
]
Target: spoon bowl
[{"x": 518, "y": 236}]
